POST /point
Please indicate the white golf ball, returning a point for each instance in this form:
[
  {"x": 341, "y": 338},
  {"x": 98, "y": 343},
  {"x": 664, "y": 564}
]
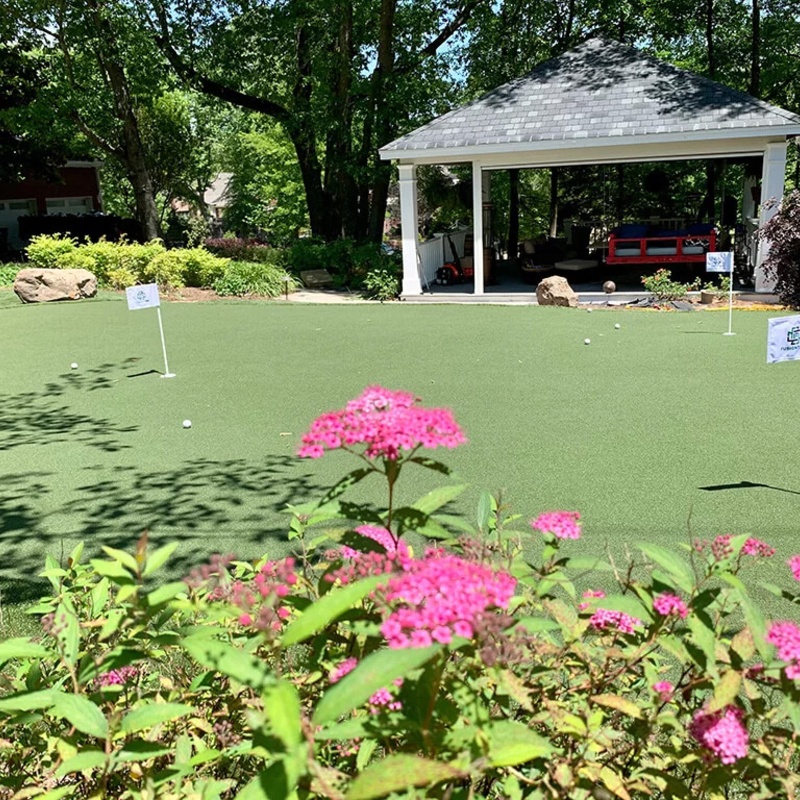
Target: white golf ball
[
  {"x": 187, "y": 423},
  {"x": 587, "y": 341},
  {"x": 73, "y": 365},
  {"x": 618, "y": 326},
  {"x": 589, "y": 310}
]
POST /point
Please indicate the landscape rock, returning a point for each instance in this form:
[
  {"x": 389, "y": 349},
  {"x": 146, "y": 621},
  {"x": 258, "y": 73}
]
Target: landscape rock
[
  {"x": 556, "y": 291},
  {"x": 34, "y": 285}
]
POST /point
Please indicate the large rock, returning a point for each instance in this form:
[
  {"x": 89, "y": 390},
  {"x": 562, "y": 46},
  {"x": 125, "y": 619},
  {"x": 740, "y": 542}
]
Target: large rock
[
  {"x": 556, "y": 291},
  {"x": 43, "y": 285}
]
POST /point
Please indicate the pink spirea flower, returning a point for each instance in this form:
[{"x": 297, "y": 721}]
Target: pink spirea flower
[
  {"x": 441, "y": 596},
  {"x": 603, "y": 618},
  {"x": 379, "y": 535},
  {"x": 757, "y": 548},
  {"x": 384, "y": 700},
  {"x": 386, "y": 422},
  {"x": 259, "y": 600},
  {"x": 664, "y": 690},
  {"x": 721, "y": 732},
  {"x": 786, "y": 638},
  {"x": 590, "y": 594},
  {"x": 340, "y": 670},
  {"x": 562, "y": 524},
  {"x": 117, "y": 677},
  {"x": 670, "y": 604},
  {"x": 794, "y": 565}
]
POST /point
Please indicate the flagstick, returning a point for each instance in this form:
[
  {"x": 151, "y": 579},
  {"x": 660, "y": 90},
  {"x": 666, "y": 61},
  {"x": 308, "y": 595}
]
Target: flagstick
[
  {"x": 167, "y": 373},
  {"x": 730, "y": 304}
]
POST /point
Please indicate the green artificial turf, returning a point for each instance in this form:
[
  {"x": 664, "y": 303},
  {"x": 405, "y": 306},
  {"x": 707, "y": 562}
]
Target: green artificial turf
[{"x": 628, "y": 429}]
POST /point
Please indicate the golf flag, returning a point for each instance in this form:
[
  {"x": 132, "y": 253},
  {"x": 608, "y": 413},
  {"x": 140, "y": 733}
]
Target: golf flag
[
  {"x": 719, "y": 262},
  {"x": 783, "y": 339},
  {"x": 144, "y": 296}
]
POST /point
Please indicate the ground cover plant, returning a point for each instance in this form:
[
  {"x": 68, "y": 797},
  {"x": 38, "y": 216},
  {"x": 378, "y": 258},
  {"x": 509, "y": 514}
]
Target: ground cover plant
[
  {"x": 360, "y": 669},
  {"x": 650, "y": 431}
]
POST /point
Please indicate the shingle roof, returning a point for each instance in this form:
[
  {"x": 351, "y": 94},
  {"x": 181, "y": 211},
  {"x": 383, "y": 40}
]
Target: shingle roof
[{"x": 600, "y": 89}]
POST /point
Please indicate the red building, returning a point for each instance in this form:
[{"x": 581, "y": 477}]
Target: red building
[{"x": 77, "y": 192}]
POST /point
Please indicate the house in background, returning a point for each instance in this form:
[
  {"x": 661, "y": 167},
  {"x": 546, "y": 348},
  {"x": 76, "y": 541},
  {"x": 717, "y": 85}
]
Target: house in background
[
  {"x": 216, "y": 199},
  {"x": 76, "y": 192}
]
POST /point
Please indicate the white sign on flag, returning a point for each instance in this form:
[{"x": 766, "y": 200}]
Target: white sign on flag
[
  {"x": 719, "y": 262},
  {"x": 144, "y": 296},
  {"x": 783, "y": 339}
]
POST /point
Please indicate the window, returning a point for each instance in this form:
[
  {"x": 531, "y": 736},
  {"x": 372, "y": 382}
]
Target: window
[{"x": 69, "y": 205}]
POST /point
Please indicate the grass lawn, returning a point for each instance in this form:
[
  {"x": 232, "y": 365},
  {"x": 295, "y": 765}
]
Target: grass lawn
[{"x": 627, "y": 430}]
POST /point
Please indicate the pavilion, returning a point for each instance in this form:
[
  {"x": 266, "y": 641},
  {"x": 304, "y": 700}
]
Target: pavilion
[{"x": 601, "y": 103}]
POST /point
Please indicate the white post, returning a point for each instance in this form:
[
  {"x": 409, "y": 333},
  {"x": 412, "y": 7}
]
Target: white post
[
  {"x": 410, "y": 228},
  {"x": 477, "y": 225},
  {"x": 772, "y": 178}
]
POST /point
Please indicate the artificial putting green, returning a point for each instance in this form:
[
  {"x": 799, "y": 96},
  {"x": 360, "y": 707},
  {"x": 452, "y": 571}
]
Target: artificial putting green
[{"x": 628, "y": 429}]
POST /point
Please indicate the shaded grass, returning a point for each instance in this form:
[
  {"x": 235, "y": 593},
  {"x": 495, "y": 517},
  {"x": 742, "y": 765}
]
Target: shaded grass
[{"x": 628, "y": 430}]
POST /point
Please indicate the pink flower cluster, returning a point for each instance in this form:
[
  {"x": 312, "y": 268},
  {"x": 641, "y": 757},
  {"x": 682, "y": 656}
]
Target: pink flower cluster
[
  {"x": 786, "y": 637},
  {"x": 757, "y": 548},
  {"x": 588, "y": 595},
  {"x": 603, "y": 618},
  {"x": 670, "y": 604},
  {"x": 721, "y": 732},
  {"x": 720, "y": 547},
  {"x": 387, "y": 422},
  {"x": 382, "y": 537},
  {"x": 117, "y": 677},
  {"x": 794, "y": 566},
  {"x": 439, "y": 597},
  {"x": 259, "y": 600},
  {"x": 561, "y": 524},
  {"x": 664, "y": 690},
  {"x": 380, "y": 700}
]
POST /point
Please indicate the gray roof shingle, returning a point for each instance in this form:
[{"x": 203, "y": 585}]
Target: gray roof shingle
[{"x": 599, "y": 89}]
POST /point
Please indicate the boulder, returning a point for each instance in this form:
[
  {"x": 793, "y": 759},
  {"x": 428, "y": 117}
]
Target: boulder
[
  {"x": 43, "y": 285},
  {"x": 556, "y": 291}
]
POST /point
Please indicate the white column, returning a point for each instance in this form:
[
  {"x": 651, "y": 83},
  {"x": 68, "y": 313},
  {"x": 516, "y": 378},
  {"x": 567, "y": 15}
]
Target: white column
[
  {"x": 410, "y": 228},
  {"x": 773, "y": 175},
  {"x": 477, "y": 225}
]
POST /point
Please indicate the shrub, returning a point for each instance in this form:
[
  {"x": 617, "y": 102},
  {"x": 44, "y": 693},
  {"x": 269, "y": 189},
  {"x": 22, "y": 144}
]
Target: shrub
[
  {"x": 245, "y": 277},
  {"x": 382, "y": 284},
  {"x": 476, "y": 668},
  {"x": 46, "y": 251},
  {"x": 244, "y": 250},
  {"x": 192, "y": 267},
  {"x": 782, "y": 263},
  {"x": 166, "y": 269},
  {"x": 349, "y": 263},
  {"x": 8, "y": 272},
  {"x": 664, "y": 288},
  {"x": 121, "y": 278}
]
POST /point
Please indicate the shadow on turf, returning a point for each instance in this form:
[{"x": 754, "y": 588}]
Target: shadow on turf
[
  {"x": 207, "y": 506},
  {"x": 745, "y": 485},
  {"x": 48, "y": 416}
]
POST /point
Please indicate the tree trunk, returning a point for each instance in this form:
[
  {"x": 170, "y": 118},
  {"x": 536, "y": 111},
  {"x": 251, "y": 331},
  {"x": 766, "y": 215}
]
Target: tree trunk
[
  {"x": 755, "y": 51},
  {"x": 553, "y": 202},
  {"x": 512, "y": 242},
  {"x": 712, "y": 64}
]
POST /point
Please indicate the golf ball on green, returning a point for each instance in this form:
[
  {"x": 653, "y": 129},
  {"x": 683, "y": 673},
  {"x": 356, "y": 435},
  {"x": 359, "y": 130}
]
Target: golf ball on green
[
  {"x": 617, "y": 326},
  {"x": 73, "y": 365},
  {"x": 587, "y": 341},
  {"x": 187, "y": 423}
]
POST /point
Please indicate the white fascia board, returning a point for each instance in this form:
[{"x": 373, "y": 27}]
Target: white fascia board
[
  {"x": 686, "y": 144},
  {"x": 95, "y": 164}
]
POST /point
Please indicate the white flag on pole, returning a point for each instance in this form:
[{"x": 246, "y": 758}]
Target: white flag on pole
[
  {"x": 783, "y": 339},
  {"x": 719, "y": 262},
  {"x": 144, "y": 296}
]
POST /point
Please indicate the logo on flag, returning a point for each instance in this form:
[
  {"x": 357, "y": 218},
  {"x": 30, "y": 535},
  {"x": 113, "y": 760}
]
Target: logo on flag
[
  {"x": 783, "y": 339},
  {"x": 719, "y": 262},
  {"x": 144, "y": 296}
]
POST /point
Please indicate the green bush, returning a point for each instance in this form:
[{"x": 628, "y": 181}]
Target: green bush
[
  {"x": 476, "y": 669},
  {"x": 245, "y": 278},
  {"x": 663, "y": 287},
  {"x": 348, "y": 262},
  {"x": 382, "y": 284},
  {"x": 245, "y": 250},
  {"x": 8, "y": 272},
  {"x": 46, "y": 251}
]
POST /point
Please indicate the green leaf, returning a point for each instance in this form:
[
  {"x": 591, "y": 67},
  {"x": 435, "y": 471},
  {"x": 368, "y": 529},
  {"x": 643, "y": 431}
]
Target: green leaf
[
  {"x": 57, "y": 794},
  {"x": 677, "y": 568},
  {"x": 588, "y": 564},
  {"x": 325, "y": 610},
  {"x": 702, "y": 637},
  {"x": 282, "y": 707},
  {"x": 627, "y": 707},
  {"x": 271, "y": 784},
  {"x": 85, "y": 760},
  {"x": 111, "y": 569},
  {"x": 434, "y": 500},
  {"x": 126, "y": 559},
  {"x": 69, "y": 633},
  {"x": 376, "y": 671},
  {"x": 349, "y": 480},
  {"x": 20, "y": 647},
  {"x": 614, "y": 782},
  {"x": 99, "y": 597},
  {"x": 153, "y": 714},
  {"x": 726, "y": 690},
  {"x": 82, "y": 713},
  {"x": 626, "y": 603},
  {"x": 485, "y": 502},
  {"x": 159, "y": 558},
  {"x": 165, "y": 593},
  {"x": 243, "y": 667},
  {"x": 400, "y": 772},
  {"x": 512, "y": 743},
  {"x": 430, "y": 463},
  {"x": 140, "y": 750},
  {"x": 28, "y": 701},
  {"x": 76, "y": 555},
  {"x": 341, "y": 731}
]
